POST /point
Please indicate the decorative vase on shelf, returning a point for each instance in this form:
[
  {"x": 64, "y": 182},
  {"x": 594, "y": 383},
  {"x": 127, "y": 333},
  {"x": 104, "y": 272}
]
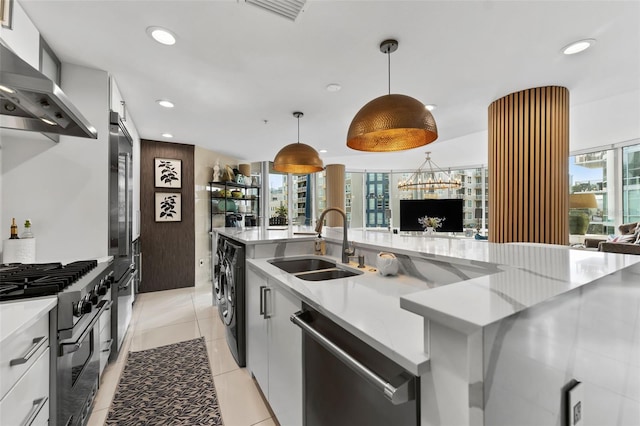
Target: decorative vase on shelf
[{"x": 429, "y": 230}]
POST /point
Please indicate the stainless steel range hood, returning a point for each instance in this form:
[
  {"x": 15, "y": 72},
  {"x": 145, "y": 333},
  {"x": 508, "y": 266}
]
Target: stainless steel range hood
[{"x": 31, "y": 101}]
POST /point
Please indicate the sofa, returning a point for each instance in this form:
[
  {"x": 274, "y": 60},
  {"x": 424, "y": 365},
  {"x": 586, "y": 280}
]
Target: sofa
[{"x": 617, "y": 247}]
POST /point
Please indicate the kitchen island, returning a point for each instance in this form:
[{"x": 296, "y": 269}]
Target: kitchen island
[{"x": 512, "y": 314}]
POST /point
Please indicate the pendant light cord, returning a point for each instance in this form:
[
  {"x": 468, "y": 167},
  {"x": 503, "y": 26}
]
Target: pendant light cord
[
  {"x": 298, "y": 129},
  {"x": 389, "y": 70}
]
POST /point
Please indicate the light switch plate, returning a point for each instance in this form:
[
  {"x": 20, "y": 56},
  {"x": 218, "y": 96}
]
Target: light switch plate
[{"x": 575, "y": 405}]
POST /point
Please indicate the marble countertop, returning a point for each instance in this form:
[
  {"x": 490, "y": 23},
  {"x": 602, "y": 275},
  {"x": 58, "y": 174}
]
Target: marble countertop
[
  {"x": 16, "y": 315},
  {"x": 387, "y": 312},
  {"x": 367, "y": 306},
  {"x": 530, "y": 274}
]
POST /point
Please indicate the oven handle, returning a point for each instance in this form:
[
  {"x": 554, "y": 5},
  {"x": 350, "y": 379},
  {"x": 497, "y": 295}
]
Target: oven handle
[
  {"x": 37, "y": 344},
  {"x": 35, "y": 410},
  {"x": 397, "y": 395},
  {"x": 129, "y": 280},
  {"x": 69, "y": 347}
]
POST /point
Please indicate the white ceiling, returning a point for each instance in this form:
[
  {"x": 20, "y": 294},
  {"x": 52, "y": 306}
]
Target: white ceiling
[{"x": 238, "y": 72}]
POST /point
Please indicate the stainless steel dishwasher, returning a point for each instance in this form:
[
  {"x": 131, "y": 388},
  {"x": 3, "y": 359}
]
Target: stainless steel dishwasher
[{"x": 346, "y": 382}]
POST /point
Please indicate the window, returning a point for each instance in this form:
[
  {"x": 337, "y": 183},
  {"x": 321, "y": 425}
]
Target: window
[
  {"x": 593, "y": 173},
  {"x": 631, "y": 184}
]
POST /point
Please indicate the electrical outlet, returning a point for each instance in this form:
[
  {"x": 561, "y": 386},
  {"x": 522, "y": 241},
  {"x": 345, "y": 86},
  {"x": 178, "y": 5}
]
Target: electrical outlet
[
  {"x": 201, "y": 262},
  {"x": 575, "y": 405}
]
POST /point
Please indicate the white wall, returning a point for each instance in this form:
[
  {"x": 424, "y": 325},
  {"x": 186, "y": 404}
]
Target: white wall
[{"x": 62, "y": 188}]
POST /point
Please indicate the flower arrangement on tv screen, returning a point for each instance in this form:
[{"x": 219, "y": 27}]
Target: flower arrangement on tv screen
[{"x": 431, "y": 222}]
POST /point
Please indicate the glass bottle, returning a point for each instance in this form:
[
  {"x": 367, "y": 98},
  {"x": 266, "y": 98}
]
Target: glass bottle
[
  {"x": 27, "y": 233},
  {"x": 14, "y": 229}
]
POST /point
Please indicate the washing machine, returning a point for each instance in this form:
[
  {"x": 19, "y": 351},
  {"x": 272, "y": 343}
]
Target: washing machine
[{"x": 231, "y": 296}]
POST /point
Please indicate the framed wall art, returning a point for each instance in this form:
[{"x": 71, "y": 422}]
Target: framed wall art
[
  {"x": 168, "y": 207},
  {"x": 6, "y": 11},
  {"x": 168, "y": 173}
]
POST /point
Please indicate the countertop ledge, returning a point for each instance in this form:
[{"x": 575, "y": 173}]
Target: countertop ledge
[
  {"x": 16, "y": 315},
  {"x": 530, "y": 273},
  {"x": 366, "y": 306}
]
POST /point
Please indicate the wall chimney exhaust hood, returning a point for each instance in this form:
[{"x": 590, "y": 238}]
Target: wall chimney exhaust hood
[{"x": 31, "y": 101}]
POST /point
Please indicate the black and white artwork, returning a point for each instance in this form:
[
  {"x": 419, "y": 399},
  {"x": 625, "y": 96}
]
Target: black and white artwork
[
  {"x": 168, "y": 207},
  {"x": 168, "y": 173}
]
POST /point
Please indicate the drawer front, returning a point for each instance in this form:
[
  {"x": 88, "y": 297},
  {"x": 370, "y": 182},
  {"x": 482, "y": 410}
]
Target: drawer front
[
  {"x": 105, "y": 347},
  {"x": 105, "y": 320},
  {"x": 20, "y": 351},
  {"x": 28, "y": 399}
]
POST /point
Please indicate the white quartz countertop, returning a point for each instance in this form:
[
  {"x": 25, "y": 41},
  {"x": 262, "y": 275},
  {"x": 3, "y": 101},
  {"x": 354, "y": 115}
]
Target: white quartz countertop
[
  {"x": 365, "y": 305},
  {"x": 16, "y": 315},
  {"x": 529, "y": 274}
]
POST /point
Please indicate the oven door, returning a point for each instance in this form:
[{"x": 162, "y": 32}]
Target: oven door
[{"x": 78, "y": 369}]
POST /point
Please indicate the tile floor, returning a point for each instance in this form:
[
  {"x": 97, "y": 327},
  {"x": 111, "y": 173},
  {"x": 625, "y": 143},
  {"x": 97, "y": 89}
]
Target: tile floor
[{"x": 172, "y": 316}]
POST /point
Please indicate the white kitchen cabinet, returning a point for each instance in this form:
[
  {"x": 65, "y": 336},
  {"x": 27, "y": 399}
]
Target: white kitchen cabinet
[
  {"x": 28, "y": 400},
  {"x": 24, "y": 361},
  {"x": 257, "y": 350},
  {"x": 275, "y": 346}
]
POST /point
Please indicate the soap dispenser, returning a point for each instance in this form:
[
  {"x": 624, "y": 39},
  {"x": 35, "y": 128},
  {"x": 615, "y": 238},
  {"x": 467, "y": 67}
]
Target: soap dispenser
[{"x": 320, "y": 246}]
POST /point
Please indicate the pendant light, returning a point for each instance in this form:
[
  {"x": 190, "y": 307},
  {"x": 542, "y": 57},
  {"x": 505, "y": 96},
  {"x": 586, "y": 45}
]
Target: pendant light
[
  {"x": 391, "y": 122},
  {"x": 298, "y": 158}
]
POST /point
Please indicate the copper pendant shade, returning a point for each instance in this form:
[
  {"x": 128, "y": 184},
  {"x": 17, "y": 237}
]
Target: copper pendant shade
[
  {"x": 298, "y": 158},
  {"x": 391, "y": 122}
]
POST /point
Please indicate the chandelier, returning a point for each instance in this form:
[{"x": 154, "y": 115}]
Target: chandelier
[{"x": 429, "y": 177}]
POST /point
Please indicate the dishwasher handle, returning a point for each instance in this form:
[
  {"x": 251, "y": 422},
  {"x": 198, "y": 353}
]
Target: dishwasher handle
[{"x": 397, "y": 395}]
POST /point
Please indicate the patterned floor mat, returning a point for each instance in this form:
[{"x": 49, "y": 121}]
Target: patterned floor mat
[{"x": 169, "y": 385}]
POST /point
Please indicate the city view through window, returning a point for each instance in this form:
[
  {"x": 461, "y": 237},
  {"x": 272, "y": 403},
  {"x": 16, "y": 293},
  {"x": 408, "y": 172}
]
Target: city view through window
[{"x": 372, "y": 198}]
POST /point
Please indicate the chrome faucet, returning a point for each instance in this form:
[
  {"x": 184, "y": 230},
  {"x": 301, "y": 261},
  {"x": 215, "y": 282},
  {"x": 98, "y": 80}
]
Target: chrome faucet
[{"x": 346, "y": 250}]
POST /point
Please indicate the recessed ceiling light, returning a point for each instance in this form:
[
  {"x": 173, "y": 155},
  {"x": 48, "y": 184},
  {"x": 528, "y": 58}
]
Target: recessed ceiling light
[
  {"x": 162, "y": 35},
  {"x": 165, "y": 103},
  {"x": 578, "y": 46},
  {"x": 431, "y": 107},
  {"x": 333, "y": 87},
  {"x": 6, "y": 89},
  {"x": 167, "y": 135},
  {"x": 322, "y": 151}
]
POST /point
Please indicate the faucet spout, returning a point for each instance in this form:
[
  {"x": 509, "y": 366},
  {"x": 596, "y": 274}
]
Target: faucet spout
[{"x": 346, "y": 251}]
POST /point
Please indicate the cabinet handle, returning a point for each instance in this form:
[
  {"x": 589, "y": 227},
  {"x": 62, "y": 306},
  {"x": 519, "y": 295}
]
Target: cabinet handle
[
  {"x": 37, "y": 343},
  {"x": 262, "y": 287},
  {"x": 35, "y": 410},
  {"x": 108, "y": 344},
  {"x": 266, "y": 315}
]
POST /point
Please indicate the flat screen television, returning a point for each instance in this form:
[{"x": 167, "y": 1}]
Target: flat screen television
[{"x": 449, "y": 208}]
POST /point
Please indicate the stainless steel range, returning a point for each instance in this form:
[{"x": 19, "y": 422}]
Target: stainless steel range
[{"x": 83, "y": 296}]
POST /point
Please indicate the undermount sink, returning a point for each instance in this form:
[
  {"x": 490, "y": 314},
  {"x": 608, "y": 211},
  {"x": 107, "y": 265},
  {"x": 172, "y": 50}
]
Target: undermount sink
[
  {"x": 294, "y": 266},
  {"x": 313, "y": 269},
  {"x": 327, "y": 274}
]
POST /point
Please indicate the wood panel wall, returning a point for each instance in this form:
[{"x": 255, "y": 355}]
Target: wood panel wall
[
  {"x": 168, "y": 248},
  {"x": 529, "y": 166},
  {"x": 335, "y": 192}
]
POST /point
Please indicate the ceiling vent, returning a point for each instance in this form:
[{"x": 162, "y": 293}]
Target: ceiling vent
[{"x": 289, "y": 9}]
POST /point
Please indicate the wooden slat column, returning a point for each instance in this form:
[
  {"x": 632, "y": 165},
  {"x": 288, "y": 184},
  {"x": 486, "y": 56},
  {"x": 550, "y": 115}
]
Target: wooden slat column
[
  {"x": 529, "y": 166},
  {"x": 335, "y": 192}
]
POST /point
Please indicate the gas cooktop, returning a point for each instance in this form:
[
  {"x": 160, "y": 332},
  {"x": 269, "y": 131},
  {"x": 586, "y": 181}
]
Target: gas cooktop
[{"x": 24, "y": 280}]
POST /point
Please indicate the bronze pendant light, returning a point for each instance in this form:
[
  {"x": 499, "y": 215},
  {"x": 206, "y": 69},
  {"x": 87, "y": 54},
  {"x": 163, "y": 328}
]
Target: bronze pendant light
[
  {"x": 391, "y": 122},
  {"x": 298, "y": 158}
]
